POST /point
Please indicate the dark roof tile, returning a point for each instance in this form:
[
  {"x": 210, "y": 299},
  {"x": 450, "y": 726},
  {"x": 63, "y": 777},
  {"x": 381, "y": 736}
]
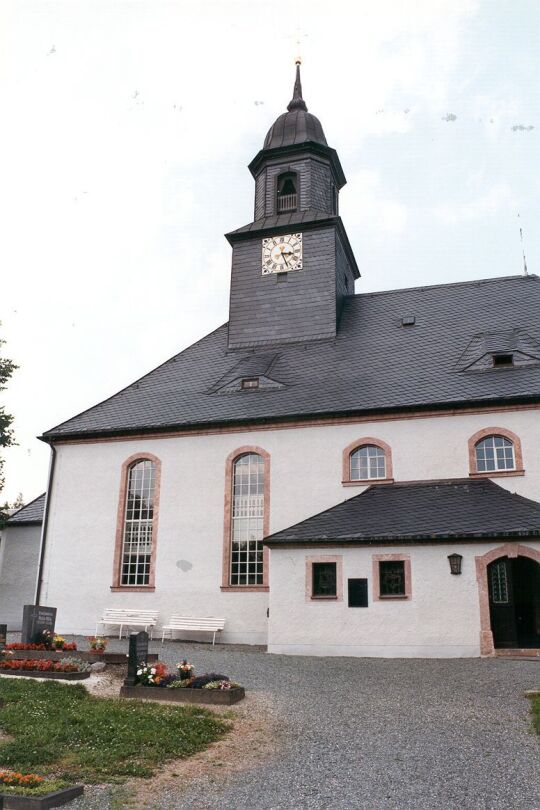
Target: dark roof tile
[
  {"x": 457, "y": 509},
  {"x": 373, "y": 364}
]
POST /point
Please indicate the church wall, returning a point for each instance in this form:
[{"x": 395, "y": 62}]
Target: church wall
[
  {"x": 441, "y": 619},
  {"x": 306, "y": 477},
  {"x": 18, "y": 571}
]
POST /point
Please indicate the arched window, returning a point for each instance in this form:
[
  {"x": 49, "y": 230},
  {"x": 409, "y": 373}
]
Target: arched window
[
  {"x": 247, "y": 520},
  {"x": 367, "y": 462},
  {"x": 287, "y": 192},
  {"x": 138, "y": 524},
  {"x": 495, "y": 453}
]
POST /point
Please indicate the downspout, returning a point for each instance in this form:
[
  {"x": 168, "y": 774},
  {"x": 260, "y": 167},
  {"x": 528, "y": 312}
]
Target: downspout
[{"x": 45, "y": 524}]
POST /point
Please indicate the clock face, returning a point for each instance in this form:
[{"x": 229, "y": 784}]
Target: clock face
[{"x": 282, "y": 253}]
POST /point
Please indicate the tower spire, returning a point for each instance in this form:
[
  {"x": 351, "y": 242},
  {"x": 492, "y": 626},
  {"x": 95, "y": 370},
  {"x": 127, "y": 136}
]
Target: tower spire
[{"x": 297, "y": 102}]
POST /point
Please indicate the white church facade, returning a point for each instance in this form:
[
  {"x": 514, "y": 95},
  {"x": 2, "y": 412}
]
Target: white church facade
[{"x": 333, "y": 473}]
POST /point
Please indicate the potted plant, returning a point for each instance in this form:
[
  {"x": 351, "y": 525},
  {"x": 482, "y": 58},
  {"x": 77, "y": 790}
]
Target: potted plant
[
  {"x": 59, "y": 642},
  {"x": 185, "y": 670},
  {"x": 98, "y": 644}
]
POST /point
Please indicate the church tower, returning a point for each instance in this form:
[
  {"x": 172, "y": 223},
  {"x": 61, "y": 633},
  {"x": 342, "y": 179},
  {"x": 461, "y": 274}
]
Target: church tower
[{"x": 293, "y": 266}]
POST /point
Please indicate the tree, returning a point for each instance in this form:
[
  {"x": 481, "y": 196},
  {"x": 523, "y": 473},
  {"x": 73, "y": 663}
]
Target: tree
[{"x": 7, "y": 438}]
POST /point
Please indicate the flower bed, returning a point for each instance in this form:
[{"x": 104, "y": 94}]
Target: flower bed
[
  {"x": 156, "y": 683},
  {"x": 17, "y": 646},
  {"x": 84, "y": 655},
  {"x": 24, "y": 791},
  {"x": 69, "y": 668}
]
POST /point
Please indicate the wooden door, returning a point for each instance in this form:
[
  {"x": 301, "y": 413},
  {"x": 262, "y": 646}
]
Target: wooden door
[{"x": 501, "y": 603}]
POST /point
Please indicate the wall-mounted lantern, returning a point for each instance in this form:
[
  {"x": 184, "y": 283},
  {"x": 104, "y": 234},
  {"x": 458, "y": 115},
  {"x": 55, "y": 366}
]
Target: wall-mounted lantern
[{"x": 455, "y": 563}]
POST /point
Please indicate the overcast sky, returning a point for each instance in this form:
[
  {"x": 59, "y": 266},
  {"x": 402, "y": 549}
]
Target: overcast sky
[{"x": 127, "y": 129}]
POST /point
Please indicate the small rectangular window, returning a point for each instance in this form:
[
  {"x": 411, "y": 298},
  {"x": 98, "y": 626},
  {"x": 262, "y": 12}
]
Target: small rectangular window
[
  {"x": 358, "y": 593},
  {"x": 502, "y": 360},
  {"x": 252, "y": 382},
  {"x": 324, "y": 579},
  {"x": 392, "y": 578}
]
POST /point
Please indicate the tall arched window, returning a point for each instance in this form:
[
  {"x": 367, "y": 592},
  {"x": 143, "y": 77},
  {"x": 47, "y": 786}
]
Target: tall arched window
[
  {"x": 247, "y": 520},
  {"x": 137, "y": 535},
  {"x": 367, "y": 462},
  {"x": 287, "y": 192},
  {"x": 495, "y": 453}
]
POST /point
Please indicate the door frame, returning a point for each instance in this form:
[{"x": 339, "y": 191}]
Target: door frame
[{"x": 509, "y": 550}]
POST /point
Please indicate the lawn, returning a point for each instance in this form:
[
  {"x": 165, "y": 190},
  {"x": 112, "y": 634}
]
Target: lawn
[
  {"x": 63, "y": 731},
  {"x": 535, "y": 707}
]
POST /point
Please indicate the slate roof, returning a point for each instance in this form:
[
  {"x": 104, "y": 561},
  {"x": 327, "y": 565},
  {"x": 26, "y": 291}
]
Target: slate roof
[
  {"x": 373, "y": 365},
  {"x": 297, "y": 125},
  {"x": 458, "y": 509},
  {"x": 281, "y": 220},
  {"x": 31, "y": 514}
]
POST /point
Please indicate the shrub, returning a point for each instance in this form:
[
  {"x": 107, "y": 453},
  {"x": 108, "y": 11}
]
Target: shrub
[{"x": 207, "y": 677}]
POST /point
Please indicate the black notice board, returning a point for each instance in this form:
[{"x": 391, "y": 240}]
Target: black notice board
[{"x": 358, "y": 593}]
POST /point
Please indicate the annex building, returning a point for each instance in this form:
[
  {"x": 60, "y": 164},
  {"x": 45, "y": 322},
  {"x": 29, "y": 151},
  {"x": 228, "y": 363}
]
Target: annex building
[{"x": 333, "y": 473}]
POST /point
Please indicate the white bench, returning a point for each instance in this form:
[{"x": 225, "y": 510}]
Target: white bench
[
  {"x": 208, "y": 624},
  {"x": 129, "y": 618}
]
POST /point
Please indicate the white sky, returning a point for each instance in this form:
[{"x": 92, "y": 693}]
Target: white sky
[{"x": 126, "y": 130}]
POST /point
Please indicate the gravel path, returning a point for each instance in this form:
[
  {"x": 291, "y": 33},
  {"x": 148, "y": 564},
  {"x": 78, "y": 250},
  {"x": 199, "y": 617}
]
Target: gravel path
[{"x": 364, "y": 734}]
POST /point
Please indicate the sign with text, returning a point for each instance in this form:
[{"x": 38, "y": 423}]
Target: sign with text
[{"x": 36, "y": 619}]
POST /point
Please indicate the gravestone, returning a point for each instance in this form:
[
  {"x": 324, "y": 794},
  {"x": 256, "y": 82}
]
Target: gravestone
[
  {"x": 3, "y": 636},
  {"x": 138, "y": 654},
  {"x": 36, "y": 619}
]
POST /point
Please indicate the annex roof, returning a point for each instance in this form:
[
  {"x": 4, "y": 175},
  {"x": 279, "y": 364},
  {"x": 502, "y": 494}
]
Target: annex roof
[
  {"x": 31, "y": 514},
  {"x": 374, "y": 365},
  {"x": 420, "y": 511}
]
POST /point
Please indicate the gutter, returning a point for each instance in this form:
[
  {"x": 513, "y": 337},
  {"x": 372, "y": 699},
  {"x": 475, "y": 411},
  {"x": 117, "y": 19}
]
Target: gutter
[{"x": 43, "y": 541}]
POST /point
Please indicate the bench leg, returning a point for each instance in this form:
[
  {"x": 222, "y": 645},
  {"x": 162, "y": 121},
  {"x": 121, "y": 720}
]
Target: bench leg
[
  {"x": 214, "y": 639},
  {"x": 120, "y": 634}
]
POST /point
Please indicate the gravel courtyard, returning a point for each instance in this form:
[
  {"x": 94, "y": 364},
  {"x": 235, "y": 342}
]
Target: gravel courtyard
[{"x": 361, "y": 734}]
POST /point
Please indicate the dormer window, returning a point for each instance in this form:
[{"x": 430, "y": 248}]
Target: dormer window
[
  {"x": 500, "y": 360},
  {"x": 287, "y": 196},
  {"x": 250, "y": 382}
]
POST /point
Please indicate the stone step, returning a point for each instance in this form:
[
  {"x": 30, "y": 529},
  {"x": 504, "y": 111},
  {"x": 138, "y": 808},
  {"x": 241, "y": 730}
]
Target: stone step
[{"x": 518, "y": 652}]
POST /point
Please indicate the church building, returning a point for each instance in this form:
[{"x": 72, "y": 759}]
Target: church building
[{"x": 331, "y": 472}]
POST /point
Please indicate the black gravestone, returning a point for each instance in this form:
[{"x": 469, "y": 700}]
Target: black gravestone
[
  {"x": 3, "y": 635},
  {"x": 138, "y": 654},
  {"x": 36, "y": 619}
]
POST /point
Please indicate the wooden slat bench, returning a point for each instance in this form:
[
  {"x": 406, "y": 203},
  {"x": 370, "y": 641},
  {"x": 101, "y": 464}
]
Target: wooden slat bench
[
  {"x": 209, "y": 624},
  {"x": 129, "y": 618}
]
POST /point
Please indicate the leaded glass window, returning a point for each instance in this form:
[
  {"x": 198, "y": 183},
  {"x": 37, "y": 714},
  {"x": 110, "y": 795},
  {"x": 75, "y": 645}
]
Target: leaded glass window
[
  {"x": 499, "y": 583},
  {"x": 138, "y": 523},
  {"x": 392, "y": 578},
  {"x": 324, "y": 579},
  {"x": 247, "y": 520},
  {"x": 368, "y": 461},
  {"x": 495, "y": 453}
]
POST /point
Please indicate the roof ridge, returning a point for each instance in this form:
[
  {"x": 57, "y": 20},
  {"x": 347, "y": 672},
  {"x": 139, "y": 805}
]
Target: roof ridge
[{"x": 422, "y": 287}]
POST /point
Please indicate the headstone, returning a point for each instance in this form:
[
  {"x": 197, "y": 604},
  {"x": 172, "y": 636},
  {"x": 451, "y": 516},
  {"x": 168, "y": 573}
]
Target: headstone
[
  {"x": 97, "y": 666},
  {"x": 3, "y": 636},
  {"x": 138, "y": 654},
  {"x": 36, "y": 619}
]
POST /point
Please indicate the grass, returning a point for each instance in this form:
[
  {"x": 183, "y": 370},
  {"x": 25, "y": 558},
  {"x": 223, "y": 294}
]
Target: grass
[
  {"x": 535, "y": 707},
  {"x": 63, "y": 731}
]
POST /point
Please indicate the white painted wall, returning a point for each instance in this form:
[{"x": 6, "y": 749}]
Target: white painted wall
[
  {"x": 19, "y": 558},
  {"x": 306, "y": 474},
  {"x": 440, "y": 620}
]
